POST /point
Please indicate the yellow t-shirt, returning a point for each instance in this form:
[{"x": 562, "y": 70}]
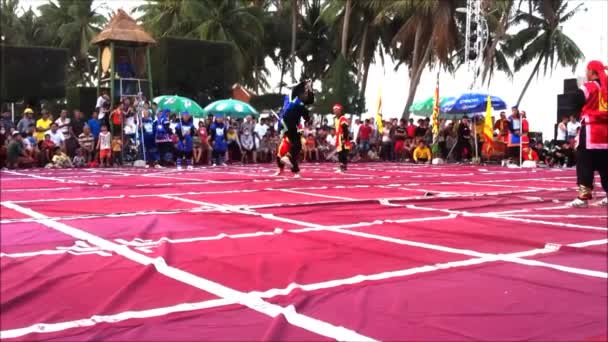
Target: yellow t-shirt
[
  {"x": 422, "y": 153},
  {"x": 44, "y": 124}
]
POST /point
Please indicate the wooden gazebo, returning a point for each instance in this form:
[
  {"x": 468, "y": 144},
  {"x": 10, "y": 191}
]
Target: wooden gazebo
[{"x": 123, "y": 57}]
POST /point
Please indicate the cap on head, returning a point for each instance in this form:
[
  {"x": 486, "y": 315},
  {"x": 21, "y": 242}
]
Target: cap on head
[{"x": 28, "y": 111}]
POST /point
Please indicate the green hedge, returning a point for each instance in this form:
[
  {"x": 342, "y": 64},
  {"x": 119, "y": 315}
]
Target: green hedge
[
  {"x": 32, "y": 73},
  {"x": 202, "y": 70}
]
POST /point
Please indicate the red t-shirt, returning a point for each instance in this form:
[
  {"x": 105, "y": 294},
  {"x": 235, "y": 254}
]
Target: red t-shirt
[
  {"x": 411, "y": 131},
  {"x": 365, "y": 132}
]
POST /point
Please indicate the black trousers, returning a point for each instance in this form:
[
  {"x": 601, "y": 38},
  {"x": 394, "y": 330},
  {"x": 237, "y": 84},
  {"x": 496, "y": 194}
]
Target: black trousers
[
  {"x": 343, "y": 159},
  {"x": 295, "y": 148},
  {"x": 588, "y": 161}
]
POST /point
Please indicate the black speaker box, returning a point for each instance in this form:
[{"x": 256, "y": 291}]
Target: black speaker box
[{"x": 570, "y": 85}]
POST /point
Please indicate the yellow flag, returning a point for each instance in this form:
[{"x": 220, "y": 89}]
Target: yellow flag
[
  {"x": 379, "y": 123},
  {"x": 435, "y": 116},
  {"x": 488, "y": 128}
]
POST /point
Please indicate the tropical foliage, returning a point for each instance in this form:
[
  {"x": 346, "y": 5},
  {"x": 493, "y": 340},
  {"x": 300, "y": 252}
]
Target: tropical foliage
[{"x": 318, "y": 39}]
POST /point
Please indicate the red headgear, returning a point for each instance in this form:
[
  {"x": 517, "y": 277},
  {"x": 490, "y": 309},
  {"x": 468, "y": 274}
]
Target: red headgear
[
  {"x": 338, "y": 106},
  {"x": 599, "y": 68}
]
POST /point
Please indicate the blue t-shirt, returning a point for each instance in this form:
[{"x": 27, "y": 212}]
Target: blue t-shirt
[
  {"x": 95, "y": 127},
  {"x": 184, "y": 131},
  {"x": 149, "y": 132}
]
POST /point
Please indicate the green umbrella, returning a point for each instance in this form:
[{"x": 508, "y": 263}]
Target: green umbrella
[
  {"x": 230, "y": 107},
  {"x": 425, "y": 108},
  {"x": 179, "y": 104}
]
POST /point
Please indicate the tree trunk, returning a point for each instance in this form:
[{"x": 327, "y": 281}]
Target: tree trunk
[
  {"x": 503, "y": 26},
  {"x": 534, "y": 71},
  {"x": 283, "y": 67},
  {"x": 362, "y": 49},
  {"x": 345, "y": 25},
  {"x": 294, "y": 29},
  {"x": 364, "y": 80},
  {"x": 416, "y": 73}
]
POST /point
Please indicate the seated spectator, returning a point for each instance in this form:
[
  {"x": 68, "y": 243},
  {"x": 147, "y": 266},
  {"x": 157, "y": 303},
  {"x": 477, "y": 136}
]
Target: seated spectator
[
  {"x": 422, "y": 154},
  {"x": 57, "y": 136},
  {"x": 310, "y": 148},
  {"x": 60, "y": 160},
  {"x": 80, "y": 160},
  {"x": 17, "y": 157},
  {"x": 47, "y": 148}
]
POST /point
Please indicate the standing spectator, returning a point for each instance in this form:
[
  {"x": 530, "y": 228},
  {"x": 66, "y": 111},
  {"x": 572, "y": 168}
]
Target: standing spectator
[
  {"x": 364, "y": 138},
  {"x": 63, "y": 123},
  {"x": 572, "y": 128},
  {"x": 86, "y": 142},
  {"x": 57, "y": 136},
  {"x": 43, "y": 125},
  {"x": 203, "y": 154},
  {"x": 24, "y": 124},
  {"x": 78, "y": 123},
  {"x": 249, "y": 126},
  {"x": 401, "y": 133},
  {"x": 104, "y": 145},
  {"x": 386, "y": 149},
  {"x": 562, "y": 131},
  {"x": 95, "y": 126},
  {"x": 149, "y": 136},
  {"x": 217, "y": 137},
  {"x": 7, "y": 122},
  {"x": 463, "y": 146},
  {"x": 410, "y": 129},
  {"x": 247, "y": 146},
  {"x": 355, "y": 129}
]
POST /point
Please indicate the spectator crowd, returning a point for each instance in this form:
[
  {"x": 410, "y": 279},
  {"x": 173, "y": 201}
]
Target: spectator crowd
[{"x": 128, "y": 132}]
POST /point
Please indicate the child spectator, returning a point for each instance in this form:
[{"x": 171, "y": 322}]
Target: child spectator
[
  {"x": 184, "y": 131},
  {"x": 104, "y": 145},
  {"x": 247, "y": 146},
  {"x": 80, "y": 160},
  {"x": 310, "y": 148},
  {"x": 60, "y": 159},
  {"x": 116, "y": 151},
  {"x": 422, "y": 154},
  {"x": 86, "y": 141},
  {"x": 47, "y": 148},
  {"x": 217, "y": 138}
]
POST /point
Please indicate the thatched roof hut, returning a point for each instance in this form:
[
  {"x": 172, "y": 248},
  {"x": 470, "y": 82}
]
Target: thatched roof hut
[{"x": 123, "y": 28}]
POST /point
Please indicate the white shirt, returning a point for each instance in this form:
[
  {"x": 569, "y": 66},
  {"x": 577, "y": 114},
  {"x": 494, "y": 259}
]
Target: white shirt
[
  {"x": 572, "y": 127},
  {"x": 57, "y": 138},
  {"x": 105, "y": 141},
  {"x": 261, "y": 130},
  {"x": 65, "y": 129},
  {"x": 331, "y": 139},
  {"x": 561, "y": 132}
]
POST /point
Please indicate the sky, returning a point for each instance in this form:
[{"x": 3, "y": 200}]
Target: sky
[{"x": 589, "y": 29}]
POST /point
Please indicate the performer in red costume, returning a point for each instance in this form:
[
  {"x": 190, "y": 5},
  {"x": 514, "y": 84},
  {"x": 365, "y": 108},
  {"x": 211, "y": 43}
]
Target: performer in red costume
[
  {"x": 343, "y": 144},
  {"x": 592, "y": 149}
]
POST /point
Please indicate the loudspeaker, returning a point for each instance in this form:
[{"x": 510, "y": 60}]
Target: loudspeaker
[
  {"x": 570, "y": 85},
  {"x": 32, "y": 73},
  {"x": 565, "y": 106}
]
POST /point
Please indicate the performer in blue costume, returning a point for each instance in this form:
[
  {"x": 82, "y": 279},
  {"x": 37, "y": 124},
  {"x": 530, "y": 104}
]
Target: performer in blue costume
[
  {"x": 163, "y": 138},
  {"x": 184, "y": 130},
  {"x": 293, "y": 111},
  {"x": 149, "y": 139}
]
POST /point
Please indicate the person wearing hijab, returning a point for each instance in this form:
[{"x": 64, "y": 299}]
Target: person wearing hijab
[{"x": 592, "y": 141}]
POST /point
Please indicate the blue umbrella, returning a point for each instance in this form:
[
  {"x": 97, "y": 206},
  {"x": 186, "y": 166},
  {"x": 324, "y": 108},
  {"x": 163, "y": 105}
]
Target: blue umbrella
[{"x": 472, "y": 103}]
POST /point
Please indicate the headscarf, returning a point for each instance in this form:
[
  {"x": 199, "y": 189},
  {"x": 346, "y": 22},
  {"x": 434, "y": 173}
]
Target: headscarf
[{"x": 599, "y": 68}]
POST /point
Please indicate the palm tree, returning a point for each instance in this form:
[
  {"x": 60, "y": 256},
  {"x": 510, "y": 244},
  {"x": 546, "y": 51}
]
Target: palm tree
[
  {"x": 543, "y": 40},
  {"x": 295, "y": 13},
  {"x": 75, "y": 23},
  {"x": 428, "y": 34},
  {"x": 499, "y": 18},
  {"x": 164, "y": 17},
  {"x": 10, "y": 27},
  {"x": 316, "y": 50}
]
